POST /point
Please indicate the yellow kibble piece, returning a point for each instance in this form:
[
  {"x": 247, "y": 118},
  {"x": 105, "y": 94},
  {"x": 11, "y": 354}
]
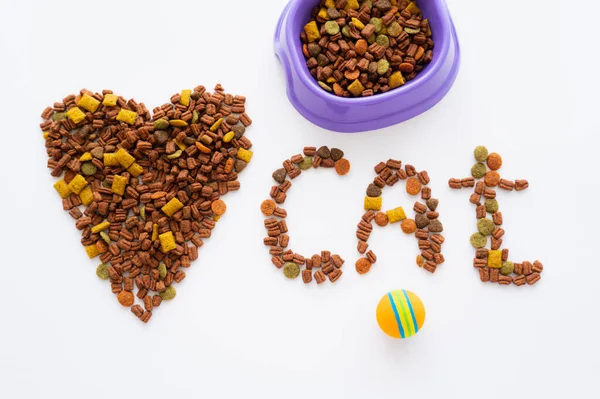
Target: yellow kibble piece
[
  {"x": 413, "y": 8},
  {"x": 495, "y": 259},
  {"x": 323, "y": 13},
  {"x": 92, "y": 251},
  {"x": 373, "y": 203},
  {"x": 111, "y": 159},
  {"x": 331, "y": 79},
  {"x": 178, "y": 123},
  {"x": 396, "y": 80},
  {"x": 119, "y": 184},
  {"x": 125, "y": 159},
  {"x": 76, "y": 115},
  {"x": 87, "y": 196},
  {"x": 185, "y": 97},
  {"x": 135, "y": 170},
  {"x": 87, "y": 156},
  {"x": 228, "y": 137},
  {"x": 167, "y": 241},
  {"x": 110, "y": 100},
  {"x": 100, "y": 227},
  {"x": 216, "y": 218},
  {"x": 181, "y": 146},
  {"x": 172, "y": 207},
  {"x": 396, "y": 215},
  {"x": 88, "y": 103},
  {"x": 77, "y": 184},
  {"x": 62, "y": 188},
  {"x": 358, "y": 24},
  {"x": 330, "y": 4},
  {"x": 312, "y": 31},
  {"x": 351, "y": 5},
  {"x": 244, "y": 155},
  {"x": 126, "y": 116},
  {"x": 154, "y": 232},
  {"x": 356, "y": 88},
  {"x": 45, "y": 135},
  {"x": 216, "y": 125}
]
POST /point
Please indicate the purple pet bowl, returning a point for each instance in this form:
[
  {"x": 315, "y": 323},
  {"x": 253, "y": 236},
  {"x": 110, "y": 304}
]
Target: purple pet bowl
[{"x": 366, "y": 113}]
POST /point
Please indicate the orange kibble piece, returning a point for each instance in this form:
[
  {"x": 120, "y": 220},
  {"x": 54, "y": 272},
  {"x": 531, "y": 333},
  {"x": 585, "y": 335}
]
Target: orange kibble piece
[
  {"x": 408, "y": 226},
  {"x": 381, "y": 219},
  {"x": 420, "y": 260},
  {"x": 492, "y": 178},
  {"x": 342, "y": 166},
  {"x": 268, "y": 207},
  {"x": 218, "y": 207},
  {"x": 125, "y": 298},
  {"x": 494, "y": 161},
  {"x": 413, "y": 186},
  {"x": 361, "y": 47},
  {"x": 363, "y": 265}
]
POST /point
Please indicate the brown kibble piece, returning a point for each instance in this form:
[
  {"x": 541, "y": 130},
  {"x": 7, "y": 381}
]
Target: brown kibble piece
[
  {"x": 320, "y": 277},
  {"x": 306, "y": 276},
  {"x": 373, "y": 190}
]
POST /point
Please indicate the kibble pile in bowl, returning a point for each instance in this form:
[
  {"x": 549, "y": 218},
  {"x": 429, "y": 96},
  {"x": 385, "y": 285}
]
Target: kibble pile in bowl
[{"x": 361, "y": 48}]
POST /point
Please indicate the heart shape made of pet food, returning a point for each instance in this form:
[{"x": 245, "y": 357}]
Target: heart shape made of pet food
[{"x": 150, "y": 184}]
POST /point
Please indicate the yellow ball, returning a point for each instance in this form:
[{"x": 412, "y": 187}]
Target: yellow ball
[{"x": 400, "y": 314}]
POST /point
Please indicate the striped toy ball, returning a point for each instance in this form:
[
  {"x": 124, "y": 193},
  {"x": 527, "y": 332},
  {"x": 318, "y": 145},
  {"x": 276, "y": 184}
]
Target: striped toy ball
[{"x": 400, "y": 314}]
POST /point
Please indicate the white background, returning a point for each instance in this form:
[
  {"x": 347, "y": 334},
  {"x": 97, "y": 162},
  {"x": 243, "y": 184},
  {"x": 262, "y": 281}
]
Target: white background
[{"x": 527, "y": 88}]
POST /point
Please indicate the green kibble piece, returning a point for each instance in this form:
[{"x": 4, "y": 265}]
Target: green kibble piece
[
  {"x": 306, "y": 163},
  {"x": 507, "y": 268},
  {"x": 394, "y": 29},
  {"x": 324, "y": 86},
  {"x": 102, "y": 271},
  {"x": 478, "y": 170},
  {"x": 161, "y": 124},
  {"x": 377, "y": 23},
  {"x": 481, "y": 153},
  {"x": 368, "y": 3},
  {"x": 105, "y": 237},
  {"x": 291, "y": 270},
  {"x": 168, "y": 294},
  {"x": 346, "y": 30},
  {"x": 175, "y": 155},
  {"x": 485, "y": 226},
  {"x": 371, "y": 39},
  {"x": 59, "y": 116},
  {"x": 195, "y": 117},
  {"x": 382, "y": 67},
  {"x": 383, "y": 41},
  {"x": 412, "y": 31},
  {"x": 162, "y": 270},
  {"x": 491, "y": 205},
  {"x": 478, "y": 240},
  {"x": 88, "y": 168},
  {"x": 332, "y": 28}
]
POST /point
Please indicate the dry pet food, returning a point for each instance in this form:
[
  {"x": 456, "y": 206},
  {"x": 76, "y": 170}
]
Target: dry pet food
[
  {"x": 145, "y": 188},
  {"x": 358, "y": 48},
  {"x": 492, "y": 262},
  {"x": 324, "y": 265},
  {"x": 426, "y": 225}
]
